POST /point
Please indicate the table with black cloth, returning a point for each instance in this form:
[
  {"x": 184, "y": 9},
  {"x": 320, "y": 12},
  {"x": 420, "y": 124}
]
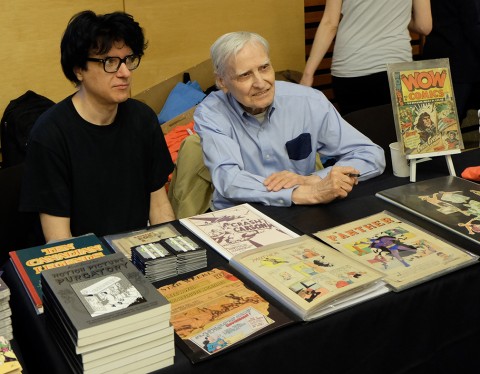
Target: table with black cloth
[{"x": 433, "y": 327}]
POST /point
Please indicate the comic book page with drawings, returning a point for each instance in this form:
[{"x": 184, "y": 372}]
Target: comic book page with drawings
[{"x": 406, "y": 253}]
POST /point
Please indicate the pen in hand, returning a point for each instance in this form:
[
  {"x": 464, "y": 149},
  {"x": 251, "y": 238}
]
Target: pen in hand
[{"x": 353, "y": 175}]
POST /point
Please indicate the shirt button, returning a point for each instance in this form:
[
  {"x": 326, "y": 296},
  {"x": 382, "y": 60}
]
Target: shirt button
[{"x": 267, "y": 157}]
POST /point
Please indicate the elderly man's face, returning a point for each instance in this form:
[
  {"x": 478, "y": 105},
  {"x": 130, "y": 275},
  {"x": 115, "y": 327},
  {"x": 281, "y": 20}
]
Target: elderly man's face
[{"x": 250, "y": 78}]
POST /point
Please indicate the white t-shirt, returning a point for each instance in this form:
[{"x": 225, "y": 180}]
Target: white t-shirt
[{"x": 371, "y": 34}]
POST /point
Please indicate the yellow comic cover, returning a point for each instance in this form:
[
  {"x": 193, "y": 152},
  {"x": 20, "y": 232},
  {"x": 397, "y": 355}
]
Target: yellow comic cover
[{"x": 424, "y": 107}]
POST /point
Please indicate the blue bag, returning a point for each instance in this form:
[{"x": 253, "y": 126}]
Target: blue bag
[{"x": 183, "y": 97}]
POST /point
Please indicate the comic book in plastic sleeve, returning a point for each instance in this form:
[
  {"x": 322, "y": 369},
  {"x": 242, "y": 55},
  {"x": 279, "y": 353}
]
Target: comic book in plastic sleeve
[{"x": 424, "y": 107}]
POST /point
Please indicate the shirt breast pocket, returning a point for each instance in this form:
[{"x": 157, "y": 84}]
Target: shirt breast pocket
[{"x": 300, "y": 147}]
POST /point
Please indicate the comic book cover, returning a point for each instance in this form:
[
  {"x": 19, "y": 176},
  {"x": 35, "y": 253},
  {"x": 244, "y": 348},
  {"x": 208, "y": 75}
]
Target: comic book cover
[
  {"x": 424, "y": 107},
  {"x": 237, "y": 229}
]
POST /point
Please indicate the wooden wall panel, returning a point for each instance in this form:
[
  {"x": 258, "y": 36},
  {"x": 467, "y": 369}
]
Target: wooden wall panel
[
  {"x": 30, "y": 34},
  {"x": 180, "y": 33}
]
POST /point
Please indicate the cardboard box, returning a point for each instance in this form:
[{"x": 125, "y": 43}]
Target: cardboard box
[{"x": 180, "y": 120}]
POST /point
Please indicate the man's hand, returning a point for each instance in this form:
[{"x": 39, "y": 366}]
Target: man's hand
[
  {"x": 287, "y": 179},
  {"x": 336, "y": 185}
]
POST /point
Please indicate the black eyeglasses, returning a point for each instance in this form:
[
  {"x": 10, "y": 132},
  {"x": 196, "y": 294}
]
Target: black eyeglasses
[{"x": 112, "y": 64}]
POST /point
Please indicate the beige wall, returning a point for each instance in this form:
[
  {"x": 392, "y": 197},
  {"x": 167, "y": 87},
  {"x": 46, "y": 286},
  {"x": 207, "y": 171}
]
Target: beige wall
[
  {"x": 30, "y": 33},
  {"x": 179, "y": 32}
]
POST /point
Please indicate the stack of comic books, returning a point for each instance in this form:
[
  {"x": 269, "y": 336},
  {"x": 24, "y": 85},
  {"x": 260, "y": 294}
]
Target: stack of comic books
[
  {"x": 169, "y": 257},
  {"x": 155, "y": 261},
  {"x": 106, "y": 317},
  {"x": 9, "y": 363},
  {"x": 5, "y": 312},
  {"x": 190, "y": 256}
]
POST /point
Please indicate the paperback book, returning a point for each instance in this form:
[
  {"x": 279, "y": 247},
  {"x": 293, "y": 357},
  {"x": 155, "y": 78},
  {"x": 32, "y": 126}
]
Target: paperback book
[
  {"x": 424, "y": 108},
  {"x": 116, "y": 356},
  {"x": 450, "y": 202},
  {"x": 214, "y": 312},
  {"x": 308, "y": 277},
  {"x": 107, "y": 295},
  {"x": 92, "y": 345},
  {"x": 125, "y": 241},
  {"x": 29, "y": 263},
  {"x": 237, "y": 229},
  {"x": 405, "y": 253}
]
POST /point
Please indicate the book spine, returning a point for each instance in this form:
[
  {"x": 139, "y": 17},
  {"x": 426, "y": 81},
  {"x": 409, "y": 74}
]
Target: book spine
[{"x": 35, "y": 297}]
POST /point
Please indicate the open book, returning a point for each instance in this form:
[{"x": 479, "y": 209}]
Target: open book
[
  {"x": 308, "y": 277},
  {"x": 407, "y": 254}
]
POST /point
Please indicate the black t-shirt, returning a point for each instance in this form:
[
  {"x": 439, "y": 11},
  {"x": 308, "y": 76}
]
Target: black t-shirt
[{"x": 99, "y": 176}]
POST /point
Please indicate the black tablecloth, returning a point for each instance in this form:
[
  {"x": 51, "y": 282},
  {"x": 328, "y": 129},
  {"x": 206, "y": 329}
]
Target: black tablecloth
[{"x": 433, "y": 327}]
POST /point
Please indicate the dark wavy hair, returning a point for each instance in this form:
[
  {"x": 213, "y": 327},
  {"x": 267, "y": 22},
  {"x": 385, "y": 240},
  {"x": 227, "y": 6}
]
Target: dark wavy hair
[{"x": 88, "y": 32}]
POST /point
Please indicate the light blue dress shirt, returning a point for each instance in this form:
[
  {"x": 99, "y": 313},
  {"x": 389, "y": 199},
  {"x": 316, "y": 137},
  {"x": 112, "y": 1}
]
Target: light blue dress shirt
[{"x": 240, "y": 152}]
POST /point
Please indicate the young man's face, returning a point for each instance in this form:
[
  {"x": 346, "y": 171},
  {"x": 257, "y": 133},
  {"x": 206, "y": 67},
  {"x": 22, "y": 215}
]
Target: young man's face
[
  {"x": 107, "y": 88},
  {"x": 250, "y": 78}
]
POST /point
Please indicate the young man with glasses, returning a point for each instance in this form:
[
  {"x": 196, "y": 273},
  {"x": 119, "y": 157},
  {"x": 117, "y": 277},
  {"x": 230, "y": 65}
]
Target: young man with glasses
[{"x": 97, "y": 161}]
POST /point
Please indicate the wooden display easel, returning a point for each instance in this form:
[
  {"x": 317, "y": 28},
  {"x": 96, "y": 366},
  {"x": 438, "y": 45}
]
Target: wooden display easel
[{"x": 416, "y": 159}]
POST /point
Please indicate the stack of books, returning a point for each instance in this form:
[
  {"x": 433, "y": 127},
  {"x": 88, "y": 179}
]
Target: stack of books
[
  {"x": 9, "y": 363},
  {"x": 190, "y": 256},
  {"x": 106, "y": 317},
  {"x": 5, "y": 312},
  {"x": 169, "y": 257},
  {"x": 155, "y": 261}
]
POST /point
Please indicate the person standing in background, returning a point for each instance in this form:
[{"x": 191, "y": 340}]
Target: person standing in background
[
  {"x": 456, "y": 35},
  {"x": 368, "y": 34}
]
